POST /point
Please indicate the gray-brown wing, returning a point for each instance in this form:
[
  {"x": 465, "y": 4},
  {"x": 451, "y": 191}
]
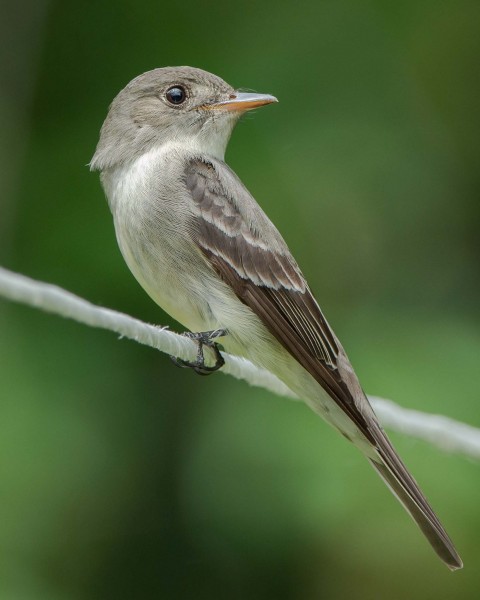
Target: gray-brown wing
[{"x": 230, "y": 229}]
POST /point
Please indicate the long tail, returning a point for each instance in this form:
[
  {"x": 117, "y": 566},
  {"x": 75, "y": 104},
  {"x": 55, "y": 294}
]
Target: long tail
[{"x": 394, "y": 473}]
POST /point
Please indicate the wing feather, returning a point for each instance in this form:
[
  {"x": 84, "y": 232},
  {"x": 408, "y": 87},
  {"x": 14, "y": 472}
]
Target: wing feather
[
  {"x": 267, "y": 279},
  {"x": 231, "y": 233}
]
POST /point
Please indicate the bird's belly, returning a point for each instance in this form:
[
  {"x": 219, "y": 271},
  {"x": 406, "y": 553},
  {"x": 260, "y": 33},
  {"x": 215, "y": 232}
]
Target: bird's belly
[{"x": 168, "y": 284}]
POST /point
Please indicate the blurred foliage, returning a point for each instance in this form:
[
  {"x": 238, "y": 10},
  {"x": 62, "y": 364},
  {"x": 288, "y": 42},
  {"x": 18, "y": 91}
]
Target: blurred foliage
[{"x": 123, "y": 477}]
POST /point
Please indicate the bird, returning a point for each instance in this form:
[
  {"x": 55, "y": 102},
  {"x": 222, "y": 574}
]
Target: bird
[{"x": 204, "y": 250}]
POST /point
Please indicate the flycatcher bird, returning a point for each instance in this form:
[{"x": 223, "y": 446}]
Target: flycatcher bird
[{"x": 204, "y": 250}]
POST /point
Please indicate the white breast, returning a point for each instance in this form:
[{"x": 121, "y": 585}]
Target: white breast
[{"x": 151, "y": 213}]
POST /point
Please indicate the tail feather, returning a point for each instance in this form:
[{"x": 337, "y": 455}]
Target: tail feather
[{"x": 394, "y": 473}]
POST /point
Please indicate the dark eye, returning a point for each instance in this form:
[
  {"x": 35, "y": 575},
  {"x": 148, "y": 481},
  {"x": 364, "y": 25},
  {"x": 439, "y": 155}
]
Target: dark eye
[{"x": 176, "y": 95}]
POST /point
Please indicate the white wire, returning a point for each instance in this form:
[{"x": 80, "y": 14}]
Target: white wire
[{"x": 443, "y": 432}]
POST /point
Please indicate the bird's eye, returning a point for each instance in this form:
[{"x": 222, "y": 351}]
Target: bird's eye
[{"x": 176, "y": 95}]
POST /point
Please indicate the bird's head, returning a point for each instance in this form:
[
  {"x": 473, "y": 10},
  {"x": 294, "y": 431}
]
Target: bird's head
[{"x": 179, "y": 105}]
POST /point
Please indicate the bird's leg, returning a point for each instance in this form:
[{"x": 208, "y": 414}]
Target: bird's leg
[{"x": 203, "y": 338}]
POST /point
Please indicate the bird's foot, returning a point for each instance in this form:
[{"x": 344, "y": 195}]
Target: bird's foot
[{"x": 203, "y": 338}]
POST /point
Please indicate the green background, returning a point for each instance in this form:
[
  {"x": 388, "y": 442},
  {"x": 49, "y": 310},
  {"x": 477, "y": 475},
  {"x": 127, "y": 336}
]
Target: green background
[{"x": 123, "y": 477}]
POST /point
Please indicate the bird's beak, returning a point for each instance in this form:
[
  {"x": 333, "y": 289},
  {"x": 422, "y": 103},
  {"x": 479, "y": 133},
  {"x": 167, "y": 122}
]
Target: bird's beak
[{"x": 241, "y": 102}]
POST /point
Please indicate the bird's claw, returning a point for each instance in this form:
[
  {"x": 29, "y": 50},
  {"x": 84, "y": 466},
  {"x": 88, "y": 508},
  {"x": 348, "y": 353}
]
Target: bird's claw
[{"x": 203, "y": 338}]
